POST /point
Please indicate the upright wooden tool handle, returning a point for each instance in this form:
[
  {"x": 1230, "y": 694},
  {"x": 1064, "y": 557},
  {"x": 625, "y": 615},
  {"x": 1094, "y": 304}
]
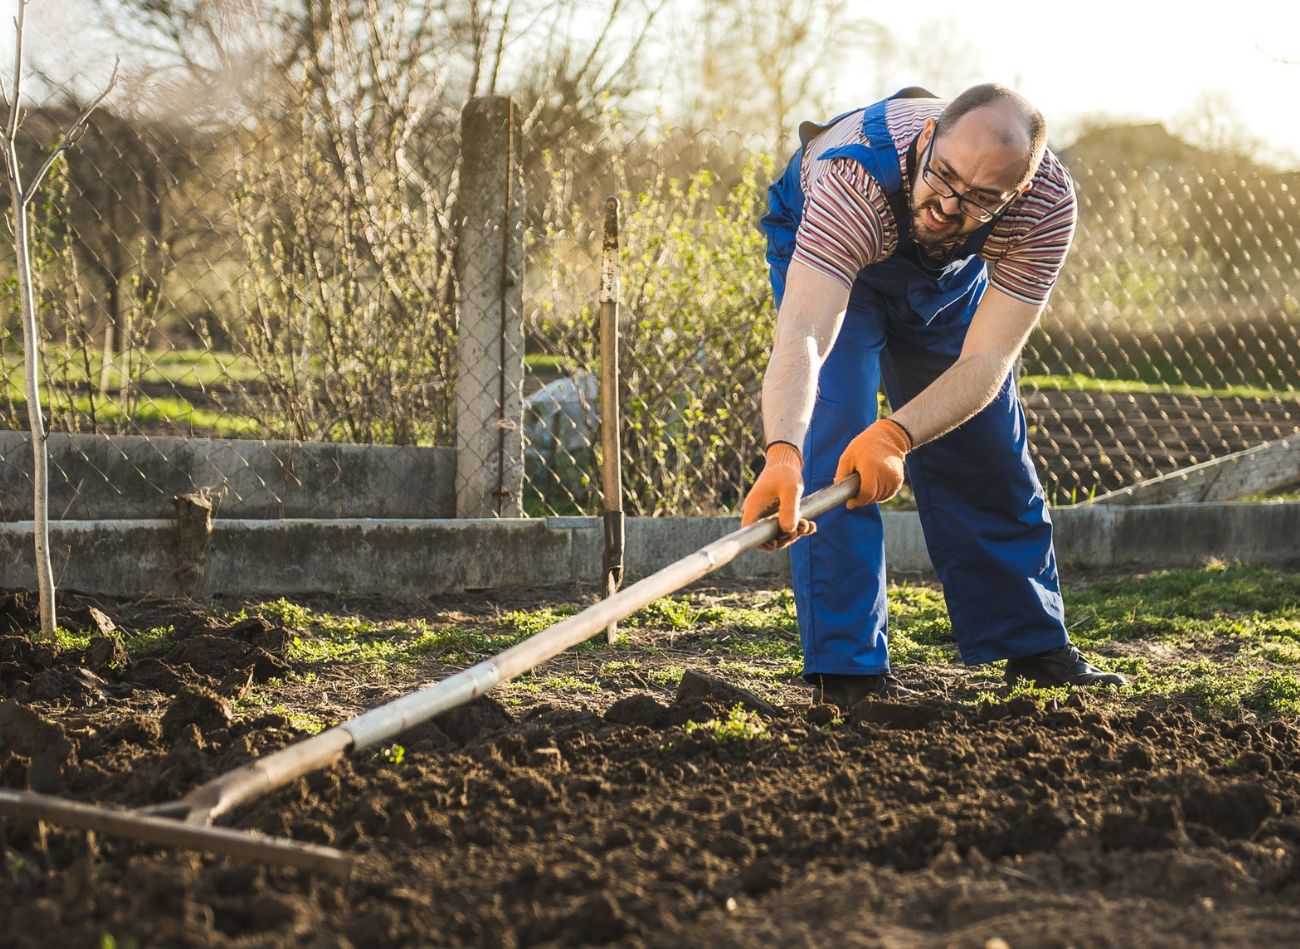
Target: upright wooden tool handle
[{"x": 611, "y": 422}]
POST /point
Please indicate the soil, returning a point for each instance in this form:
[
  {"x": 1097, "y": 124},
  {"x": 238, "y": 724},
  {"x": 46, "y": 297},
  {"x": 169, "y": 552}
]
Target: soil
[{"x": 605, "y": 819}]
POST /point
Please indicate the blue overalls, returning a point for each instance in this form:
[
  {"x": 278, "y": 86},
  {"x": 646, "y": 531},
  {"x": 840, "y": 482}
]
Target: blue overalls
[{"x": 981, "y": 505}]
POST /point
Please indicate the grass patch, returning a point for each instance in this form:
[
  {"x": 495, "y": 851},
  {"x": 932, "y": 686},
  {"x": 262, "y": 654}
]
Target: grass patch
[
  {"x": 70, "y": 639},
  {"x": 554, "y": 683},
  {"x": 149, "y": 410},
  {"x": 1227, "y": 690},
  {"x": 767, "y": 630},
  {"x": 527, "y": 623},
  {"x": 1247, "y": 618},
  {"x": 1023, "y": 688},
  {"x": 1079, "y": 382},
  {"x": 257, "y": 702},
  {"x": 1243, "y": 602},
  {"x": 677, "y": 613},
  {"x": 457, "y": 645},
  {"x": 280, "y": 611},
  {"x": 771, "y": 672},
  {"x": 548, "y": 364},
  {"x": 1223, "y": 639},
  {"x": 530, "y": 622},
  {"x": 327, "y": 638},
  {"x": 195, "y": 367},
  {"x": 138, "y": 645},
  {"x": 920, "y": 632},
  {"x": 149, "y": 642}
]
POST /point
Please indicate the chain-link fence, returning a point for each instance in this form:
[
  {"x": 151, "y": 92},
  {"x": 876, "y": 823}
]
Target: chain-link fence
[
  {"x": 275, "y": 269},
  {"x": 290, "y": 272},
  {"x": 1171, "y": 338}
]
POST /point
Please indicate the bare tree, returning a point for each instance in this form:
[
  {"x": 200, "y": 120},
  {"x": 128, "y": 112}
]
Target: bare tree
[
  {"x": 760, "y": 67},
  {"x": 21, "y": 196}
]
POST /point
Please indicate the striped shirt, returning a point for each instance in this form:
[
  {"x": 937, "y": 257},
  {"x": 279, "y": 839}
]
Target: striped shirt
[{"x": 847, "y": 222}]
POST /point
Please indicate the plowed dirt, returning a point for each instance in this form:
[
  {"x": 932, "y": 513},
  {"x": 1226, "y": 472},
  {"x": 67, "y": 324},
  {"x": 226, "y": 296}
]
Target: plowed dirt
[{"x": 931, "y": 822}]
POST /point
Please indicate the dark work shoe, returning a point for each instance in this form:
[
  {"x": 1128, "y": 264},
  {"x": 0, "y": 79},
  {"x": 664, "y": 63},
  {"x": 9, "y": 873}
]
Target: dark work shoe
[
  {"x": 847, "y": 691},
  {"x": 1062, "y": 666}
]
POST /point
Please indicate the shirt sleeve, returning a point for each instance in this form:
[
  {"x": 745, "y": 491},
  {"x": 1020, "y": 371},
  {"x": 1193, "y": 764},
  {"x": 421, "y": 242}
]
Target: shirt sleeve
[
  {"x": 843, "y": 221},
  {"x": 1029, "y": 269}
]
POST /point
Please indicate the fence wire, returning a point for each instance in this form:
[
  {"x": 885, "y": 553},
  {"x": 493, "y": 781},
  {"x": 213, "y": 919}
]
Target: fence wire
[
  {"x": 275, "y": 274},
  {"x": 287, "y": 275}
]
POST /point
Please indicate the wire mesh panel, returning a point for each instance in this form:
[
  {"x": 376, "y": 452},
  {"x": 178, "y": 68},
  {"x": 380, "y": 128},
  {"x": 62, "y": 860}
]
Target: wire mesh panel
[
  {"x": 1171, "y": 337},
  {"x": 272, "y": 265},
  {"x": 288, "y": 262},
  {"x": 696, "y": 328}
]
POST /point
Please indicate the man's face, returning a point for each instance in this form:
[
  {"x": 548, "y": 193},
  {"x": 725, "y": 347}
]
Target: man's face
[{"x": 976, "y": 164}]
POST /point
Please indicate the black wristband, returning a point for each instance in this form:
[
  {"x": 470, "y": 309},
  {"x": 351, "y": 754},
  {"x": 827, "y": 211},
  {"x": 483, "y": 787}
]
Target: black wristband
[
  {"x": 782, "y": 441},
  {"x": 911, "y": 442}
]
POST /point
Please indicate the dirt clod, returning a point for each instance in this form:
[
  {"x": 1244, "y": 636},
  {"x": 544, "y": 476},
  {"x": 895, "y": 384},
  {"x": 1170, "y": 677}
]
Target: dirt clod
[
  {"x": 704, "y": 687},
  {"x": 195, "y": 705},
  {"x": 636, "y": 710},
  {"x": 106, "y": 656},
  {"x": 43, "y": 742},
  {"x": 468, "y": 722}
]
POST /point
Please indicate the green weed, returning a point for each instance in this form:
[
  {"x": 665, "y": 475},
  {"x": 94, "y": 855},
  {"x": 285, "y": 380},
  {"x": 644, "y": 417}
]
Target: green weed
[
  {"x": 69, "y": 639},
  {"x": 529, "y": 622},
  {"x": 739, "y": 725},
  {"x": 150, "y": 642},
  {"x": 1022, "y": 688},
  {"x": 109, "y": 941},
  {"x": 666, "y": 676},
  {"x": 283, "y": 612},
  {"x": 675, "y": 612}
]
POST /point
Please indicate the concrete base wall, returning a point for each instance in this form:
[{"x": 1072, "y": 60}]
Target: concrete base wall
[
  {"x": 133, "y": 477},
  {"x": 413, "y": 558}
]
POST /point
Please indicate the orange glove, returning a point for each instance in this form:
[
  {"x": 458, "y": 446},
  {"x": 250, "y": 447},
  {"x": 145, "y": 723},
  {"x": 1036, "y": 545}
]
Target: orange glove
[
  {"x": 778, "y": 489},
  {"x": 877, "y": 456}
]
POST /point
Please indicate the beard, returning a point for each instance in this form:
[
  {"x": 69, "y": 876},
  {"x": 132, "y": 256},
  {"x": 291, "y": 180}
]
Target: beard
[{"x": 939, "y": 244}]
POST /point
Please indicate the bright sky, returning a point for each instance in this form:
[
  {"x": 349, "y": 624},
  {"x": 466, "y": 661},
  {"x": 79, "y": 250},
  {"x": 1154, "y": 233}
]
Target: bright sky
[
  {"x": 1132, "y": 60},
  {"x": 1123, "y": 59}
]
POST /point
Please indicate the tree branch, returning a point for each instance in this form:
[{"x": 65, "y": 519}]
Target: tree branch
[
  {"x": 73, "y": 134},
  {"x": 11, "y": 127},
  {"x": 1282, "y": 60}
]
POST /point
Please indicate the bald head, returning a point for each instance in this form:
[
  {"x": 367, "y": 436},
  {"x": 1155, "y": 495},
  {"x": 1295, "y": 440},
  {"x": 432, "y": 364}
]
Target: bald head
[{"x": 997, "y": 118}]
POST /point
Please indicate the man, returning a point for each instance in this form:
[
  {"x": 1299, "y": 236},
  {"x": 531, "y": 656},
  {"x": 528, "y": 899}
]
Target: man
[{"x": 916, "y": 241}]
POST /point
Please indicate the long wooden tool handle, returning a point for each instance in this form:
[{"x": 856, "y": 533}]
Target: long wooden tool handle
[
  {"x": 388, "y": 720},
  {"x": 223, "y": 793},
  {"x": 611, "y": 449},
  {"x": 158, "y": 830}
]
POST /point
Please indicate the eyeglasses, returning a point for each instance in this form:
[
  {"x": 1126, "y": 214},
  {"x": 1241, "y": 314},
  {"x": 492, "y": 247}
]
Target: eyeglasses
[{"x": 978, "y": 206}]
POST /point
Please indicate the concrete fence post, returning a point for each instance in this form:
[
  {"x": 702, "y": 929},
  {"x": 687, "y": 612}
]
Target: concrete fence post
[{"x": 489, "y": 273}]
